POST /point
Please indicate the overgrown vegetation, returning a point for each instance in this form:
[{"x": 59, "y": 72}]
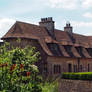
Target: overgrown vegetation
[
  {"x": 50, "y": 87},
  {"x": 78, "y": 76},
  {"x": 18, "y": 72}
]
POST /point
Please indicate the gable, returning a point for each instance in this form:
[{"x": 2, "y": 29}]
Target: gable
[{"x": 17, "y": 29}]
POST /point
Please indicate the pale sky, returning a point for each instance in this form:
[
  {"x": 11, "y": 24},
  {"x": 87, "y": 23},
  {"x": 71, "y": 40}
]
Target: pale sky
[{"x": 78, "y": 12}]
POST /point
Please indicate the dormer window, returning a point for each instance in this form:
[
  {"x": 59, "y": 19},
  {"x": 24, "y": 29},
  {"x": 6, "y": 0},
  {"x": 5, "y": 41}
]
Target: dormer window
[
  {"x": 55, "y": 49},
  {"x": 79, "y": 50},
  {"x": 68, "y": 50}
]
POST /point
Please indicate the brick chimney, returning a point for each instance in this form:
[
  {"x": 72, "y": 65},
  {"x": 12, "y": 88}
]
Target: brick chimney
[
  {"x": 68, "y": 28},
  {"x": 48, "y": 23}
]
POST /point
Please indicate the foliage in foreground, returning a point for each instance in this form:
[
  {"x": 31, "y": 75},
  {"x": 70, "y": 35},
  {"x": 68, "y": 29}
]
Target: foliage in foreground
[
  {"x": 78, "y": 76},
  {"x": 50, "y": 87},
  {"x": 18, "y": 72}
]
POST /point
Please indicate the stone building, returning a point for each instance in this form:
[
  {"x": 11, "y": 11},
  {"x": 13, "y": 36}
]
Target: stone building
[{"x": 61, "y": 51}]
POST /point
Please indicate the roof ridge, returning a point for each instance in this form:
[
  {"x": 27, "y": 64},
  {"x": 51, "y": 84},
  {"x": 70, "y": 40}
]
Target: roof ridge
[
  {"x": 17, "y": 25},
  {"x": 29, "y": 24},
  {"x": 72, "y": 33}
]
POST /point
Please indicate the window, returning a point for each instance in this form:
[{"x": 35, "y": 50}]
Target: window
[
  {"x": 55, "y": 49},
  {"x": 45, "y": 67},
  {"x": 88, "y": 67},
  {"x": 80, "y": 68},
  {"x": 79, "y": 50},
  {"x": 69, "y": 67},
  {"x": 69, "y": 51},
  {"x": 57, "y": 69},
  {"x": 89, "y": 51},
  {"x": 75, "y": 68}
]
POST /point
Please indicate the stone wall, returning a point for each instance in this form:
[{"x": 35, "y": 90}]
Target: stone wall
[
  {"x": 75, "y": 86},
  {"x": 64, "y": 62}
]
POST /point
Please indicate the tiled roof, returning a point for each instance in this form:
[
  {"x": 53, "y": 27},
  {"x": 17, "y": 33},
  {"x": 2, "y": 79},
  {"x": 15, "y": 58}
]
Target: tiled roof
[
  {"x": 25, "y": 30},
  {"x": 61, "y": 36},
  {"x": 31, "y": 31}
]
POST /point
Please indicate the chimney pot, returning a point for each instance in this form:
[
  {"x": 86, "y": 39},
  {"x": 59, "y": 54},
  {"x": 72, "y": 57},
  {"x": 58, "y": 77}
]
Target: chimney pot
[{"x": 68, "y": 28}]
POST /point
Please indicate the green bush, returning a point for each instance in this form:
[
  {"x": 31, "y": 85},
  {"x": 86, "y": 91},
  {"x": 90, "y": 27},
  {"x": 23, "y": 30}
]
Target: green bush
[
  {"x": 18, "y": 72},
  {"x": 78, "y": 76},
  {"x": 13, "y": 64}
]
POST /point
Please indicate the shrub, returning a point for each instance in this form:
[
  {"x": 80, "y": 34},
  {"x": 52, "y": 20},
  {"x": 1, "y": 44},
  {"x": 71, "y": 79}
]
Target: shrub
[
  {"x": 50, "y": 87},
  {"x": 17, "y": 70},
  {"x": 78, "y": 76}
]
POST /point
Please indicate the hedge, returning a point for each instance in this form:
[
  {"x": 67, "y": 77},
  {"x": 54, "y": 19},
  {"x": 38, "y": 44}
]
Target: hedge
[{"x": 77, "y": 76}]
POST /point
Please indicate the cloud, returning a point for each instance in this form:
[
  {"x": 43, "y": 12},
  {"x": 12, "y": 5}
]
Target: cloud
[
  {"x": 70, "y": 4},
  {"x": 20, "y": 7},
  {"x": 81, "y": 24},
  {"x": 87, "y": 3},
  {"x": 79, "y": 27},
  {"x": 88, "y": 15},
  {"x": 65, "y": 4},
  {"x": 5, "y": 24},
  {"x": 82, "y": 27}
]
